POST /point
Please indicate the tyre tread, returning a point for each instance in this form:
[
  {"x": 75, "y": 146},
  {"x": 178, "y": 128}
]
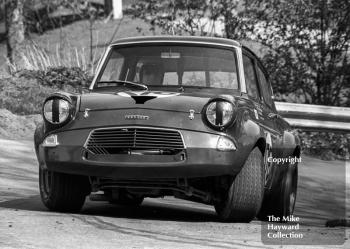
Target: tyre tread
[
  {"x": 246, "y": 192},
  {"x": 68, "y": 193}
]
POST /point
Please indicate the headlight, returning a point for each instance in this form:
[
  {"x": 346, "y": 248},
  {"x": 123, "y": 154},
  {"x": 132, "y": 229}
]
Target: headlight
[
  {"x": 56, "y": 111},
  {"x": 220, "y": 113}
]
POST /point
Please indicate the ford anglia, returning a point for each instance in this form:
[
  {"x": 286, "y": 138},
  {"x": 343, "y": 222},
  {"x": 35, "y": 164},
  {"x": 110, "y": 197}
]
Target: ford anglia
[{"x": 189, "y": 117}]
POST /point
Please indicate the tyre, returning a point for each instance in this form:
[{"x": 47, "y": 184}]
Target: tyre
[
  {"x": 63, "y": 192},
  {"x": 244, "y": 197},
  {"x": 126, "y": 199},
  {"x": 38, "y": 137},
  {"x": 280, "y": 201}
]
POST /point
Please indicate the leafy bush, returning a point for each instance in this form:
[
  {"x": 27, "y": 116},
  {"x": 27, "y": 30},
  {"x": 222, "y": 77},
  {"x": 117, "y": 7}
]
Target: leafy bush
[
  {"x": 25, "y": 92},
  {"x": 325, "y": 145},
  {"x": 23, "y": 96},
  {"x": 64, "y": 78}
]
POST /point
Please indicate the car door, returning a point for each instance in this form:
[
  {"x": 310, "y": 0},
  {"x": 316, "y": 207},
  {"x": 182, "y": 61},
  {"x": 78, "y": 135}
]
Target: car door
[
  {"x": 255, "y": 92},
  {"x": 270, "y": 119},
  {"x": 271, "y": 116}
]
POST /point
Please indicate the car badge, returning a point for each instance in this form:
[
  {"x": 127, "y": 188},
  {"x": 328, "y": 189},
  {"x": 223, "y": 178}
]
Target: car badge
[
  {"x": 191, "y": 116},
  {"x": 136, "y": 117},
  {"x": 86, "y": 112}
]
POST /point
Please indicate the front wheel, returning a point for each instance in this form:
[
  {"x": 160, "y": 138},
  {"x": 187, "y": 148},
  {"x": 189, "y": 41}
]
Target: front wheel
[
  {"x": 63, "y": 192},
  {"x": 243, "y": 199},
  {"x": 280, "y": 201}
]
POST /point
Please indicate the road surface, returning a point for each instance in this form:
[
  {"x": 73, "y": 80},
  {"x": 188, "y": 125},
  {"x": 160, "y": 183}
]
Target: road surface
[{"x": 158, "y": 223}]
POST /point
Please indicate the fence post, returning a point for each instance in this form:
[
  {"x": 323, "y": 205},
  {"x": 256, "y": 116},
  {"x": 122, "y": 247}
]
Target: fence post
[{"x": 117, "y": 9}]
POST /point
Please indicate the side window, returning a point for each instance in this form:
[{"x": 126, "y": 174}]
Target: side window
[
  {"x": 112, "y": 70},
  {"x": 265, "y": 88},
  {"x": 250, "y": 77}
]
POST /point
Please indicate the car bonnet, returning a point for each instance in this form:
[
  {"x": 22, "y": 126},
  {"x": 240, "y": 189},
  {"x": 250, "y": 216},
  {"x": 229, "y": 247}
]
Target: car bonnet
[{"x": 157, "y": 100}]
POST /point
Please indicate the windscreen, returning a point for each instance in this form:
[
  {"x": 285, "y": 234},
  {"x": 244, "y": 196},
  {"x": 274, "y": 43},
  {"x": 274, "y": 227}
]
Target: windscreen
[{"x": 192, "y": 66}]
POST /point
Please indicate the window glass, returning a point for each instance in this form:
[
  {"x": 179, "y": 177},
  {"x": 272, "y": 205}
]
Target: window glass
[
  {"x": 165, "y": 65},
  {"x": 113, "y": 67},
  {"x": 265, "y": 88},
  {"x": 196, "y": 78},
  {"x": 170, "y": 78},
  {"x": 250, "y": 77},
  {"x": 220, "y": 79}
]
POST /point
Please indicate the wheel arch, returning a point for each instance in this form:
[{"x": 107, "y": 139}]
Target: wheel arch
[
  {"x": 261, "y": 144},
  {"x": 297, "y": 151},
  {"x": 39, "y": 135},
  {"x": 291, "y": 144}
]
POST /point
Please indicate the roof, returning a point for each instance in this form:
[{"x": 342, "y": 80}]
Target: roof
[{"x": 181, "y": 39}]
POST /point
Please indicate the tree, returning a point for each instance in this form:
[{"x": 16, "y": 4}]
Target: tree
[
  {"x": 309, "y": 47},
  {"x": 85, "y": 10},
  {"x": 15, "y": 28},
  {"x": 307, "y": 41},
  {"x": 196, "y": 17}
]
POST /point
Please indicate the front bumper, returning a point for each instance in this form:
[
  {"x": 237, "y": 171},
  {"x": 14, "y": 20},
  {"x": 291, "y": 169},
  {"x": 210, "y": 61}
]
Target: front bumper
[{"x": 200, "y": 158}]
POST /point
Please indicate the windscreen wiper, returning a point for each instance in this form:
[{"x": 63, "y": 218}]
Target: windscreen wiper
[{"x": 126, "y": 83}]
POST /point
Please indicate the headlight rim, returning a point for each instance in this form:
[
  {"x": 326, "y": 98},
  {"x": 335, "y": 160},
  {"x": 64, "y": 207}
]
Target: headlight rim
[
  {"x": 70, "y": 113},
  {"x": 216, "y": 127}
]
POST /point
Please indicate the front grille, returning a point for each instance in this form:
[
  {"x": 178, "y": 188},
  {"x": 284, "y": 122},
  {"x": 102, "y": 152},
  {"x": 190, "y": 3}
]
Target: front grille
[{"x": 134, "y": 140}]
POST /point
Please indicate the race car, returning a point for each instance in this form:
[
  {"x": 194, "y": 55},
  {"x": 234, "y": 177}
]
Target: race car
[{"x": 189, "y": 117}]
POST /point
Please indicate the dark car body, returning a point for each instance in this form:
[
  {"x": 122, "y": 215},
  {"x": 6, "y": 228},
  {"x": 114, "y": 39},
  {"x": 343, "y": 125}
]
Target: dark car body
[{"x": 158, "y": 141}]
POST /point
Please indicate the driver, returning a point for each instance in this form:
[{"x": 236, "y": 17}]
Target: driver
[{"x": 151, "y": 74}]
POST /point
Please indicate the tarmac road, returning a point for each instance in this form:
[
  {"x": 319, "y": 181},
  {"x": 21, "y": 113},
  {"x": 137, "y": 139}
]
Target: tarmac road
[{"x": 158, "y": 223}]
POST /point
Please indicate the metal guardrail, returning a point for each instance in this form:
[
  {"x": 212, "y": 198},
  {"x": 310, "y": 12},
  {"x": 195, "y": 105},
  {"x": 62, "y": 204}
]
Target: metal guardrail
[{"x": 315, "y": 117}]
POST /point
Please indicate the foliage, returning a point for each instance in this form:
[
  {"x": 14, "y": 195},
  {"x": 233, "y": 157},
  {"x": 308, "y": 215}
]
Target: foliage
[
  {"x": 306, "y": 47},
  {"x": 309, "y": 42},
  {"x": 42, "y": 15},
  {"x": 193, "y": 17},
  {"x": 34, "y": 57},
  {"x": 326, "y": 145},
  {"x": 22, "y": 15},
  {"x": 59, "y": 77},
  {"x": 24, "y": 94},
  {"x": 85, "y": 10}
]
